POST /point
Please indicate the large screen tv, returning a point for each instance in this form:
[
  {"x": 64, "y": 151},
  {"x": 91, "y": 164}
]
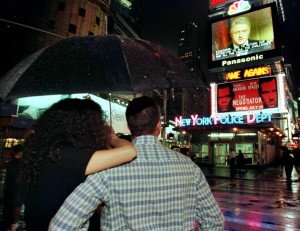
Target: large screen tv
[
  {"x": 247, "y": 95},
  {"x": 244, "y": 39}
]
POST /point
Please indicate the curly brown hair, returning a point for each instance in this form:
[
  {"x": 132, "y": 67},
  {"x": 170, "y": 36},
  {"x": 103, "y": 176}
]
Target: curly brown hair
[{"x": 78, "y": 123}]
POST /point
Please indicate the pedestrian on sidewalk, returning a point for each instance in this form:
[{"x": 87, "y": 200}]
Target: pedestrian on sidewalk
[
  {"x": 232, "y": 160},
  {"x": 287, "y": 161},
  {"x": 240, "y": 160},
  {"x": 14, "y": 195},
  {"x": 296, "y": 154}
]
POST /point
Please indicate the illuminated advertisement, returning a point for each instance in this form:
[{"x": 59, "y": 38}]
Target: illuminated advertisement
[
  {"x": 248, "y": 73},
  {"x": 251, "y": 117},
  {"x": 248, "y": 95},
  {"x": 33, "y": 107},
  {"x": 214, "y": 3},
  {"x": 244, "y": 39},
  {"x": 234, "y": 8}
]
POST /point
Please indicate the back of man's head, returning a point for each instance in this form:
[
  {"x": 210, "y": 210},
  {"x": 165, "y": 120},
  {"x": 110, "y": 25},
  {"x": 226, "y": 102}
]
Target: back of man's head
[{"x": 143, "y": 115}]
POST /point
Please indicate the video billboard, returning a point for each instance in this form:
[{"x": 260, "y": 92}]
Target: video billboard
[
  {"x": 248, "y": 95},
  {"x": 244, "y": 39}
]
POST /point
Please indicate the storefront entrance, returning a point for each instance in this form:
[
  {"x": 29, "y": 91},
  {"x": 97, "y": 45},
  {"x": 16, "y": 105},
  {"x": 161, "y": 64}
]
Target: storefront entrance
[{"x": 221, "y": 154}]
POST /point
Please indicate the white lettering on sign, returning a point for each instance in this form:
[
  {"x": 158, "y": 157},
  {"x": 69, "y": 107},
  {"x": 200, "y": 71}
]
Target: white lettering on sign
[{"x": 242, "y": 60}]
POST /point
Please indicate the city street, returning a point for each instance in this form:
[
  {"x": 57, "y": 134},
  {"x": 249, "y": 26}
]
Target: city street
[
  {"x": 258, "y": 200},
  {"x": 219, "y": 79}
]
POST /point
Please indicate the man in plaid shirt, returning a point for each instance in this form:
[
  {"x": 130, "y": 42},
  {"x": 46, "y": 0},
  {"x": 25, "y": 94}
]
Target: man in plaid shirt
[{"x": 160, "y": 190}]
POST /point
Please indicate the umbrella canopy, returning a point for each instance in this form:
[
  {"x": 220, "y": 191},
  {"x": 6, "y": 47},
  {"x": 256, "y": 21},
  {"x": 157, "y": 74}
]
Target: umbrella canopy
[
  {"x": 103, "y": 64},
  {"x": 283, "y": 148}
]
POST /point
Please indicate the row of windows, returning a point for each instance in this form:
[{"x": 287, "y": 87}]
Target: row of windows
[
  {"x": 81, "y": 11},
  {"x": 62, "y": 5},
  {"x": 72, "y": 28}
]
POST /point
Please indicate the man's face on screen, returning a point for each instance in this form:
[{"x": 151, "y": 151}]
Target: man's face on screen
[
  {"x": 224, "y": 99},
  {"x": 268, "y": 94},
  {"x": 239, "y": 34}
]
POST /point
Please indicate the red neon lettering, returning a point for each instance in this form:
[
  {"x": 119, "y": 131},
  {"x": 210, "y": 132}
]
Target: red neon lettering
[{"x": 216, "y": 2}]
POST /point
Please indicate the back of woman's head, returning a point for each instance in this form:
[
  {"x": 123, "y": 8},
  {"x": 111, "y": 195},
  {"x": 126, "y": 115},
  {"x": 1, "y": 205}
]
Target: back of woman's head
[
  {"x": 78, "y": 105},
  {"x": 74, "y": 123}
]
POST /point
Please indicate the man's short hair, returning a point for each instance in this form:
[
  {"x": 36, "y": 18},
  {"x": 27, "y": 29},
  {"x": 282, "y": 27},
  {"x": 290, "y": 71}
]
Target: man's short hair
[
  {"x": 263, "y": 80},
  {"x": 142, "y": 116},
  {"x": 240, "y": 20},
  {"x": 227, "y": 85}
]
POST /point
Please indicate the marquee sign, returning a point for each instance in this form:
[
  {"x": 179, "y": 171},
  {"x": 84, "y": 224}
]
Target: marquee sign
[{"x": 248, "y": 73}]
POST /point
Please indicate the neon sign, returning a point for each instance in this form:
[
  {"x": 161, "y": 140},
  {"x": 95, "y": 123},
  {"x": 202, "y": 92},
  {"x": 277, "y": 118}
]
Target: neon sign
[
  {"x": 248, "y": 73},
  {"x": 195, "y": 120},
  {"x": 238, "y": 7},
  {"x": 216, "y": 2}
]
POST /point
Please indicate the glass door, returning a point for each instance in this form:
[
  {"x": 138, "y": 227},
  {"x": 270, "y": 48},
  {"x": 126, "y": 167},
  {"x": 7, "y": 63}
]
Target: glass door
[{"x": 221, "y": 154}]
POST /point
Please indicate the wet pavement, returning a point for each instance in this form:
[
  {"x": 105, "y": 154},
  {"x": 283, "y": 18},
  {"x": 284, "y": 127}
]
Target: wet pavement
[{"x": 256, "y": 200}]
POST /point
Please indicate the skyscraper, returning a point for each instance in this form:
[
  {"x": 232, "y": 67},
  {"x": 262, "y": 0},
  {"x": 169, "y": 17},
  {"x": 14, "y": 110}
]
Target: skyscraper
[
  {"x": 188, "y": 101},
  {"x": 126, "y": 18}
]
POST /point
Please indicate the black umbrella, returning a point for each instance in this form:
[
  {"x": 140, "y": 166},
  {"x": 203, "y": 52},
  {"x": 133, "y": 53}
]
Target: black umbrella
[
  {"x": 103, "y": 64},
  {"x": 283, "y": 148}
]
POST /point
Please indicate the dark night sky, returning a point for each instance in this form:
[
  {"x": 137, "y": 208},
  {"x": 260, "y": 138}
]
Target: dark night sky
[
  {"x": 162, "y": 21},
  {"x": 161, "y": 24}
]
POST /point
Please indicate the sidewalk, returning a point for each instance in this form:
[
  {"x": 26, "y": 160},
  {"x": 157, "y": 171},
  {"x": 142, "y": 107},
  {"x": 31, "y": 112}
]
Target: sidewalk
[
  {"x": 266, "y": 174},
  {"x": 256, "y": 200}
]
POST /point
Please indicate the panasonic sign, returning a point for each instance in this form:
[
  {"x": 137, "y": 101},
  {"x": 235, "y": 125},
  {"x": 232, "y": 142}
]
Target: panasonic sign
[{"x": 242, "y": 60}]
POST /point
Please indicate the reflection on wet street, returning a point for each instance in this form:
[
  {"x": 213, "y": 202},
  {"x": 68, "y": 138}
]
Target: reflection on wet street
[
  {"x": 259, "y": 200},
  {"x": 258, "y": 203}
]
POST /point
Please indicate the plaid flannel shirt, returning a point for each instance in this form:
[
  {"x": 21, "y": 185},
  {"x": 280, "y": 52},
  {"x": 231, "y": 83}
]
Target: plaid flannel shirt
[{"x": 160, "y": 190}]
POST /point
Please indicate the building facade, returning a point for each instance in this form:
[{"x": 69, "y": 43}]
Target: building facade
[
  {"x": 189, "y": 100},
  {"x": 252, "y": 105}
]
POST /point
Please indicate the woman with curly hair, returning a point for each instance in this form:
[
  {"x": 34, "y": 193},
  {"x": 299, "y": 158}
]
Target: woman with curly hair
[{"x": 69, "y": 141}]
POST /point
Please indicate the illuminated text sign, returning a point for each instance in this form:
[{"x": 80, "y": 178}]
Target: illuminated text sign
[
  {"x": 242, "y": 60},
  {"x": 195, "y": 120},
  {"x": 248, "y": 73},
  {"x": 216, "y": 2}
]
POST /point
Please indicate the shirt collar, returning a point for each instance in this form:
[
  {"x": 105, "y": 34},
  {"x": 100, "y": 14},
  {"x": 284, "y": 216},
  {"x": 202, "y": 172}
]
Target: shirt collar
[
  {"x": 145, "y": 139},
  {"x": 236, "y": 46}
]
